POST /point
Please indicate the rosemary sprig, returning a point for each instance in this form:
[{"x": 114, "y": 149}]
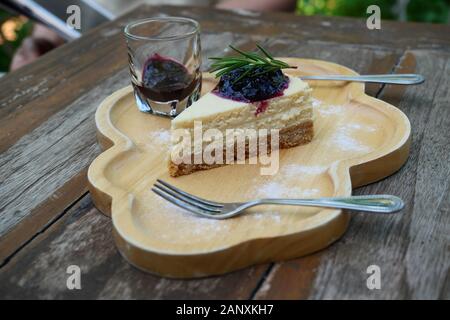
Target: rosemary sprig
[{"x": 254, "y": 63}]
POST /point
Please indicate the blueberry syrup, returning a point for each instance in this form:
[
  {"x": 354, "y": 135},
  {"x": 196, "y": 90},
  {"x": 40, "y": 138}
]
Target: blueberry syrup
[
  {"x": 256, "y": 89},
  {"x": 261, "y": 107},
  {"x": 165, "y": 79}
]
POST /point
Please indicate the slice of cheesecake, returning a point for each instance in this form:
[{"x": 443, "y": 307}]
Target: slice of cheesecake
[{"x": 289, "y": 110}]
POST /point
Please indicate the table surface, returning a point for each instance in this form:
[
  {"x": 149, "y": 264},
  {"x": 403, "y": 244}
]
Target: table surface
[{"x": 47, "y": 141}]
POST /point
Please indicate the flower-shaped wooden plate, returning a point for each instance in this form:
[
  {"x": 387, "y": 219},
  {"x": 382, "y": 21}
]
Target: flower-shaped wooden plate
[{"x": 358, "y": 140}]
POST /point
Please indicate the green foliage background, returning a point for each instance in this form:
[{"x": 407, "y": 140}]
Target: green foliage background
[
  {"x": 435, "y": 11},
  {"x": 8, "y": 48}
]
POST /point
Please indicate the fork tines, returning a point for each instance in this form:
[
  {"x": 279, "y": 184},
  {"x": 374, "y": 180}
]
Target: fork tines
[{"x": 186, "y": 200}]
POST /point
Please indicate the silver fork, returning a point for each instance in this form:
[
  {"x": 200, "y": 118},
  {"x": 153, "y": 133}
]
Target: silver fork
[
  {"x": 218, "y": 210},
  {"x": 404, "y": 79}
]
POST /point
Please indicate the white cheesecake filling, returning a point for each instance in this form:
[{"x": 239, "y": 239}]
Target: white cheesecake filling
[
  {"x": 294, "y": 107},
  {"x": 220, "y": 113}
]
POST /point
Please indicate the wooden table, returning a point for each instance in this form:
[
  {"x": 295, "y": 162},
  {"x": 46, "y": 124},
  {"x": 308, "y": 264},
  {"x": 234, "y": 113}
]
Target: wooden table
[{"x": 47, "y": 141}]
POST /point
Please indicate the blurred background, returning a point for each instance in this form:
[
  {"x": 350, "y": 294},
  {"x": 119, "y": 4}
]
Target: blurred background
[{"x": 15, "y": 28}]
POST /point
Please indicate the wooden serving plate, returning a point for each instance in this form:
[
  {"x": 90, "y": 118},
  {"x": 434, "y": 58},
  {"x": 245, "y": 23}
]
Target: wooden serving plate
[{"x": 358, "y": 140}]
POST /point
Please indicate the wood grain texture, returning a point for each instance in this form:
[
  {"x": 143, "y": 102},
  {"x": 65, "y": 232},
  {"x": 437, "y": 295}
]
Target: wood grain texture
[
  {"x": 33, "y": 95},
  {"x": 78, "y": 116},
  {"x": 161, "y": 239},
  {"x": 411, "y": 248},
  {"x": 83, "y": 237},
  {"x": 50, "y": 156},
  {"x": 61, "y": 147},
  {"x": 317, "y": 29}
]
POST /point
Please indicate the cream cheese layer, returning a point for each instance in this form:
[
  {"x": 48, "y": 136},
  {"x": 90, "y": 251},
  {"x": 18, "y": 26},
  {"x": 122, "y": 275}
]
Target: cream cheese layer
[{"x": 221, "y": 113}]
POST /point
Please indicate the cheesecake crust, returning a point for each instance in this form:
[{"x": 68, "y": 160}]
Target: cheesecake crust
[{"x": 292, "y": 136}]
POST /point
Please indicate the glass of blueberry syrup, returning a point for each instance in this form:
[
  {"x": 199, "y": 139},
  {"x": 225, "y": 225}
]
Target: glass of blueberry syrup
[{"x": 164, "y": 58}]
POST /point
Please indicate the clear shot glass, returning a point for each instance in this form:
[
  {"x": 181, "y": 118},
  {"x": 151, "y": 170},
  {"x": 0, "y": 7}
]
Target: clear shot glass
[{"x": 164, "y": 58}]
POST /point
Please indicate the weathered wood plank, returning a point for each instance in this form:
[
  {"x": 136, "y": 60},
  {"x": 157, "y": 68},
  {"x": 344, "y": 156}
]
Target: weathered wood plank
[
  {"x": 50, "y": 157},
  {"x": 96, "y": 55},
  {"x": 383, "y": 59},
  {"x": 83, "y": 237},
  {"x": 294, "y": 279},
  {"x": 411, "y": 248},
  {"x": 47, "y": 158},
  {"x": 33, "y": 94},
  {"x": 44, "y": 214},
  {"x": 76, "y": 120},
  {"x": 314, "y": 29},
  {"x": 46, "y": 133}
]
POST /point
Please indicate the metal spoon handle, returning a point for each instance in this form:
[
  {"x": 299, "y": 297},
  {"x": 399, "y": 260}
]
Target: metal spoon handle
[
  {"x": 405, "y": 79},
  {"x": 372, "y": 203}
]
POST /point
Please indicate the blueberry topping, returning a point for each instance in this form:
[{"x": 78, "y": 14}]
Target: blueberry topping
[{"x": 254, "y": 86}]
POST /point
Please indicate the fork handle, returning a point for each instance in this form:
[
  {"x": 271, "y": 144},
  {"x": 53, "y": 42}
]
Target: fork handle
[
  {"x": 405, "y": 79},
  {"x": 372, "y": 203}
]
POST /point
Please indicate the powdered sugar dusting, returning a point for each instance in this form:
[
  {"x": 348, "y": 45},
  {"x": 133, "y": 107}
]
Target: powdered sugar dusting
[
  {"x": 279, "y": 190},
  {"x": 326, "y": 110},
  {"x": 273, "y": 216},
  {"x": 180, "y": 224},
  {"x": 301, "y": 170},
  {"x": 311, "y": 193},
  {"x": 159, "y": 139},
  {"x": 273, "y": 190},
  {"x": 344, "y": 139},
  {"x": 175, "y": 225},
  {"x": 358, "y": 126},
  {"x": 346, "y": 133},
  {"x": 294, "y": 180},
  {"x": 160, "y": 136},
  {"x": 315, "y": 102}
]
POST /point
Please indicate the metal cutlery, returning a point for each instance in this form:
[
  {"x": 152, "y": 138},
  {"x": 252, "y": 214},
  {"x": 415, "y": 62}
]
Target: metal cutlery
[
  {"x": 218, "y": 210},
  {"x": 404, "y": 79}
]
